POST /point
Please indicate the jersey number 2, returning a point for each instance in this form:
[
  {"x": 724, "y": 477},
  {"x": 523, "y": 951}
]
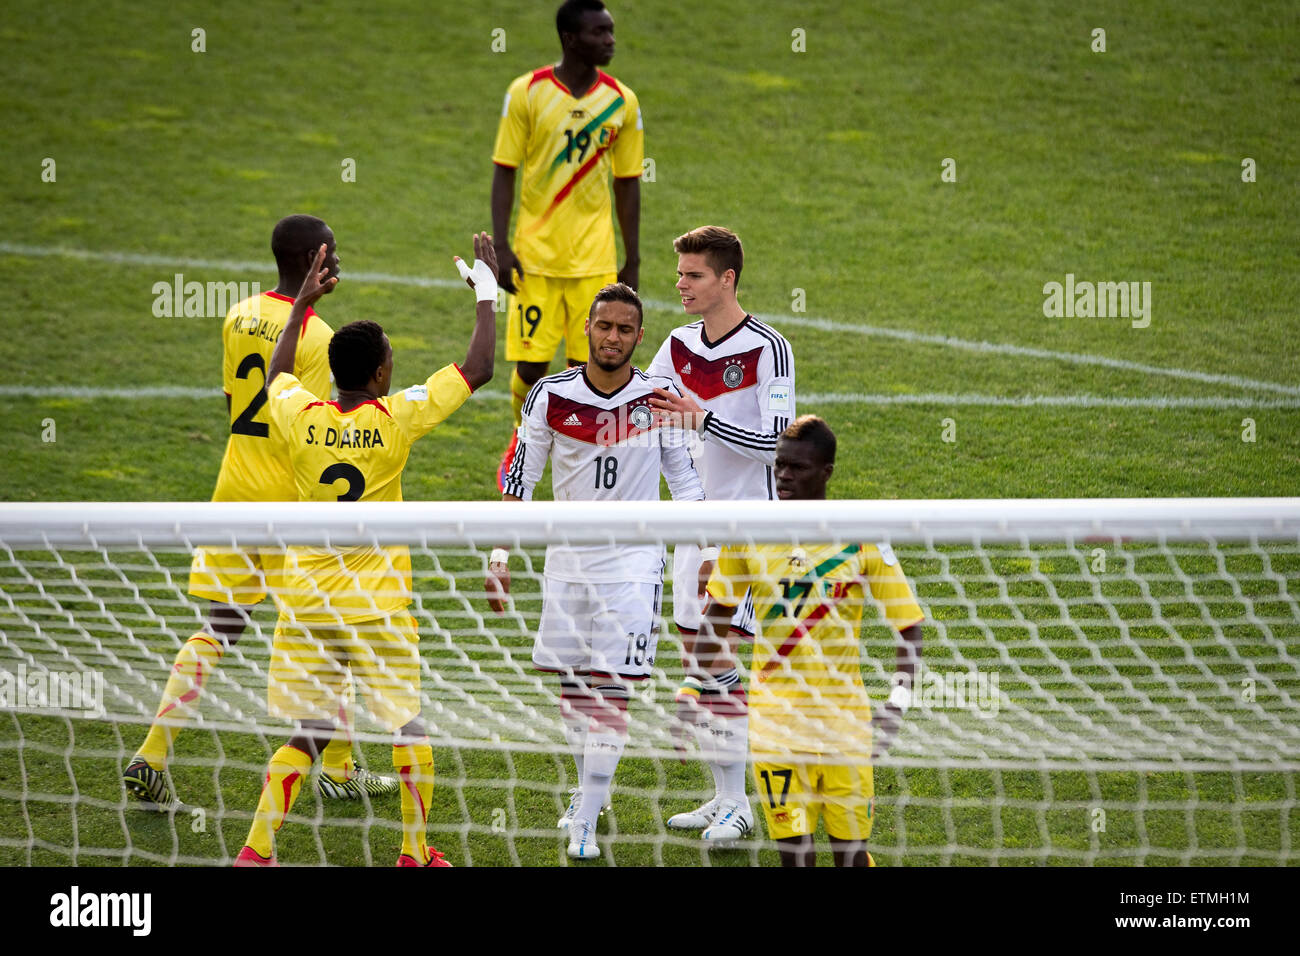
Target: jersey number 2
[{"x": 244, "y": 424}]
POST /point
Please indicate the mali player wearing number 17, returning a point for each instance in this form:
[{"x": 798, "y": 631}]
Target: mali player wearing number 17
[
  {"x": 346, "y": 608},
  {"x": 811, "y": 726}
]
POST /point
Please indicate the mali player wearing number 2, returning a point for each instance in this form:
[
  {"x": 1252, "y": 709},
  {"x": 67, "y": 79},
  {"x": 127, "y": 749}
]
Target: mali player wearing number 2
[
  {"x": 600, "y": 603},
  {"x": 346, "y": 608}
]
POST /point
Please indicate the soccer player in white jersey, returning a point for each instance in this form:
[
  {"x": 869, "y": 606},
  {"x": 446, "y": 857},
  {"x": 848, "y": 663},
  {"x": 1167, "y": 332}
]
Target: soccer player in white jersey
[
  {"x": 600, "y": 607},
  {"x": 736, "y": 380}
]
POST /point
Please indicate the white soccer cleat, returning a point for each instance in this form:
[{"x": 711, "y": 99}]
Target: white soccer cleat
[
  {"x": 582, "y": 842},
  {"x": 734, "y": 820},
  {"x": 697, "y": 819},
  {"x": 575, "y": 801}
]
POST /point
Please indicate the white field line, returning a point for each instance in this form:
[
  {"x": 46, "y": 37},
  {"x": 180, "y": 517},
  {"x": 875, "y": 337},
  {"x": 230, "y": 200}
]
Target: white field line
[
  {"x": 805, "y": 321},
  {"x": 805, "y": 401}
]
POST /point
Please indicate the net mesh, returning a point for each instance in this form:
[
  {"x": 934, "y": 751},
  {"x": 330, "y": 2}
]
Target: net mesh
[{"x": 1124, "y": 697}]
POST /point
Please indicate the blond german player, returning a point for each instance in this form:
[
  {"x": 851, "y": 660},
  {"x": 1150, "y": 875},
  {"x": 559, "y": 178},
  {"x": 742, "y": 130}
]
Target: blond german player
[
  {"x": 812, "y": 733},
  {"x": 346, "y": 608}
]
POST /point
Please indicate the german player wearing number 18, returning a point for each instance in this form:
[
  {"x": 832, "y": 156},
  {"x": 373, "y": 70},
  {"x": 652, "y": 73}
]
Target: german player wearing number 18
[
  {"x": 600, "y": 604},
  {"x": 345, "y": 608}
]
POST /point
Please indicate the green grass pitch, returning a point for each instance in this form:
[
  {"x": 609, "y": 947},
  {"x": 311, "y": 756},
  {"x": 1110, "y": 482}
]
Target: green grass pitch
[{"x": 915, "y": 307}]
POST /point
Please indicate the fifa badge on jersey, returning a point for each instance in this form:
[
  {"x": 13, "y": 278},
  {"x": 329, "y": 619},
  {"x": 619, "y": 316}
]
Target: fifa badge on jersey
[
  {"x": 522, "y": 431},
  {"x": 289, "y": 391},
  {"x": 417, "y": 393},
  {"x": 733, "y": 375},
  {"x": 798, "y": 559},
  {"x": 778, "y": 398},
  {"x": 886, "y": 553},
  {"x": 640, "y": 417}
]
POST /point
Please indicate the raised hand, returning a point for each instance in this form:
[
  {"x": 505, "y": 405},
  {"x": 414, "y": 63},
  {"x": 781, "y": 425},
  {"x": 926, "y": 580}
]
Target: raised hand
[{"x": 318, "y": 280}]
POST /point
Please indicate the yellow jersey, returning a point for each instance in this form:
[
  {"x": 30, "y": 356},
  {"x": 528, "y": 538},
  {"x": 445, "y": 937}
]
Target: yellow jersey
[
  {"x": 567, "y": 145},
  {"x": 354, "y": 456},
  {"x": 806, "y": 691},
  {"x": 254, "y": 466}
]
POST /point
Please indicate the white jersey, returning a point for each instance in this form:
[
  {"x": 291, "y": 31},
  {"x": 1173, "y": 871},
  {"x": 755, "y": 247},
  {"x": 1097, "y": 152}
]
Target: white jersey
[
  {"x": 745, "y": 382},
  {"x": 602, "y": 447}
]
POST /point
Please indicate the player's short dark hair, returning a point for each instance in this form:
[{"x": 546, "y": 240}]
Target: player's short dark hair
[
  {"x": 618, "y": 292},
  {"x": 356, "y": 350},
  {"x": 568, "y": 19},
  {"x": 815, "y": 432},
  {"x": 295, "y": 235},
  {"x": 720, "y": 246}
]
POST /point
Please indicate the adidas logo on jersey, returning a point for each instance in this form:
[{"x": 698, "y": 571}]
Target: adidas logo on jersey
[
  {"x": 573, "y": 419},
  {"x": 686, "y": 369}
]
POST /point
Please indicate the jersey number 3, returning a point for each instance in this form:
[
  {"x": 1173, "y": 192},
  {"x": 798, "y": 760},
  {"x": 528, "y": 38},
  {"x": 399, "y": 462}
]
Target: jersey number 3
[{"x": 349, "y": 473}]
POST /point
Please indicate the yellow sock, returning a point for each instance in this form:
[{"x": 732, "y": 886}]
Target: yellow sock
[
  {"x": 284, "y": 776},
  {"x": 195, "y": 662},
  {"x": 518, "y": 392},
  {"x": 414, "y": 765},
  {"x": 336, "y": 758}
]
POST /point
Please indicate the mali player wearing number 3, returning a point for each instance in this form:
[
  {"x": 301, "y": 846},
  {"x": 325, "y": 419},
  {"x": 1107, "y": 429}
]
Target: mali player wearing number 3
[{"x": 346, "y": 607}]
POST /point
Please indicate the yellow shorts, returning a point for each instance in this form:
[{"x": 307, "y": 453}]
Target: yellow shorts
[
  {"x": 239, "y": 576},
  {"x": 545, "y": 310},
  {"x": 308, "y": 676},
  {"x": 795, "y": 793}
]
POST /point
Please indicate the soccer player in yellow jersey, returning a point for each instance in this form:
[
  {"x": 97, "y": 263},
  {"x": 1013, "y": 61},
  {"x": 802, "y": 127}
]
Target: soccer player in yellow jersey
[
  {"x": 811, "y": 727},
  {"x": 345, "y": 609},
  {"x": 568, "y": 126},
  {"x": 255, "y": 467}
]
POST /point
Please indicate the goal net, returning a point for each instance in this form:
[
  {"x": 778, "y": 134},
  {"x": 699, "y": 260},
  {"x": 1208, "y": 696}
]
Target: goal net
[{"x": 1102, "y": 682}]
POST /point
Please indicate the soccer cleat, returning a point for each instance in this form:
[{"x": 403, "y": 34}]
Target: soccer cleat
[
  {"x": 733, "y": 821},
  {"x": 151, "y": 787},
  {"x": 507, "y": 460},
  {"x": 582, "y": 841},
  {"x": 361, "y": 782},
  {"x": 698, "y": 819},
  {"x": 575, "y": 801},
  {"x": 435, "y": 859},
  {"x": 250, "y": 857}
]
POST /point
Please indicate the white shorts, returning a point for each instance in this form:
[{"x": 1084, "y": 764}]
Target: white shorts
[
  {"x": 598, "y": 628},
  {"x": 688, "y": 609}
]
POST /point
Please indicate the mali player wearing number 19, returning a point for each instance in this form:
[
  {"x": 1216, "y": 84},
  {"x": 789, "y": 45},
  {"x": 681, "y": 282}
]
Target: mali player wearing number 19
[{"x": 345, "y": 608}]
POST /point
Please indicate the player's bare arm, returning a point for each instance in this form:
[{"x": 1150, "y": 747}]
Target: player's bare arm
[
  {"x": 503, "y": 200},
  {"x": 627, "y": 205},
  {"x": 888, "y": 718},
  {"x": 482, "y": 278},
  {"x": 315, "y": 284}
]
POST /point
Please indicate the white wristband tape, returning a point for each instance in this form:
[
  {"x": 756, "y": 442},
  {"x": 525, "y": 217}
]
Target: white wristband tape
[
  {"x": 499, "y": 556},
  {"x": 709, "y": 554},
  {"x": 901, "y": 697}
]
